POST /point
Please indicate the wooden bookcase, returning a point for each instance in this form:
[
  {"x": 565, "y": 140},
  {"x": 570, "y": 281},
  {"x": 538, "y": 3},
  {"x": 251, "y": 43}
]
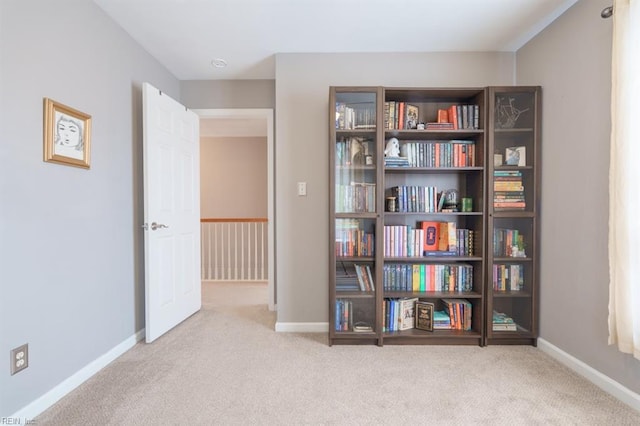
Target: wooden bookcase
[{"x": 382, "y": 206}]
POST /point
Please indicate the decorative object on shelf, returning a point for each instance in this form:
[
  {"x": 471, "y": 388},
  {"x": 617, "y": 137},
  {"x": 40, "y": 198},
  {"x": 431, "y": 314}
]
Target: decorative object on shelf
[
  {"x": 412, "y": 117},
  {"x": 368, "y": 160},
  {"x": 497, "y": 160},
  {"x": 393, "y": 148},
  {"x": 362, "y": 327},
  {"x": 467, "y": 204},
  {"x": 451, "y": 197},
  {"x": 391, "y": 204},
  {"x": 516, "y": 156},
  {"x": 506, "y": 113},
  {"x": 67, "y": 135},
  {"x": 421, "y": 126}
]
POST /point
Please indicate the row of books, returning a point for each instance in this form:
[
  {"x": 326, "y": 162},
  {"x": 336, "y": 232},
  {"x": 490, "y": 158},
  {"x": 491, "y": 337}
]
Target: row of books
[
  {"x": 508, "y": 277},
  {"x": 459, "y": 117},
  {"x": 430, "y": 239},
  {"x": 427, "y": 277},
  {"x": 508, "y": 190},
  {"x": 353, "y": 151},
  {"x": 355, "y": 115},
  {"x": 365, "y": 278},
  {"x": 508, "y": 243},
  {"x": 352, "y": 240},
  {"x": 503, "y": 322},
  {"x": 346, "y": 277},
  {"x": 344, "y": 315},
  {"x": 460, "y": 313},
  {"x": 401, "y": 115},
  {"x": 414, "y": 198},
  {"x": 399, "y": 314},
  {"x": 444, "y": 236},
  {"x": 452, "y": 153},
  {"x": 356, "y": 198}
]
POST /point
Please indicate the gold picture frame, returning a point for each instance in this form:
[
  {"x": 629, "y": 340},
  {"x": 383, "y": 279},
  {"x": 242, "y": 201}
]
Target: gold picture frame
[{"x": 67, "y": 135}]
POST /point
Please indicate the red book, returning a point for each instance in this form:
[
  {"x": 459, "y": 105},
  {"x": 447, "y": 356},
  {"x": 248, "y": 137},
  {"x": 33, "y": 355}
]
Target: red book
[
  {"x": 443, "y": 116},
  {"x": 453, "y": 116},
  {"x": 431, "y": 234}
]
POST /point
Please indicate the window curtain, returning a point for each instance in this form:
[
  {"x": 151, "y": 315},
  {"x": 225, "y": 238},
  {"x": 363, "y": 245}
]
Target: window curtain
[{"x": 624, "y": 180}]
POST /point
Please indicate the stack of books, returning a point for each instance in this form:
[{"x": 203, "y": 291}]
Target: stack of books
[
  {"x": 503, "y": 322},
  {"x": 508, "y": 191},
  {"x": 396, "y": 162},
  {"x": 441, "y": 321}
]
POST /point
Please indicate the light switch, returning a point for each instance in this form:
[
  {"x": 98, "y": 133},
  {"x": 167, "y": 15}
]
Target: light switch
[{"x": 302, "y": 188}]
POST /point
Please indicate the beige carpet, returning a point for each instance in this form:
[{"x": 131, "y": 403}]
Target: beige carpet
[{"x": 226, "y": 366}]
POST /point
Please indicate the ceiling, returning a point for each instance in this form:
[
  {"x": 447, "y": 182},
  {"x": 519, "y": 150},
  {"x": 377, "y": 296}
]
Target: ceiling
[{"x": 186, "y": 35}]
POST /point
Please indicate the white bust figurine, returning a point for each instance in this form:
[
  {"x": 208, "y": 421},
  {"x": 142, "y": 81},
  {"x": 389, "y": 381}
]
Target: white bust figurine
[{"x": 393, "y": 148}]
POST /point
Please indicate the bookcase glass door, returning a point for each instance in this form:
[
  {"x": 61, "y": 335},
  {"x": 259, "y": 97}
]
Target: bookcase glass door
[
  {"x": 354, "y": 152},
  {"x": 513, "y": 196}
]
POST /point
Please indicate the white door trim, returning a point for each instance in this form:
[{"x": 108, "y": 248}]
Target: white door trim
[{"x": 266, "y": 114}]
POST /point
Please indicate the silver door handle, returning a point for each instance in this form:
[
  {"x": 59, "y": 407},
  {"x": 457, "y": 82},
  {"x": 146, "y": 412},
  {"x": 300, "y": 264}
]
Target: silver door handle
[{"x": 155, "y": 226}]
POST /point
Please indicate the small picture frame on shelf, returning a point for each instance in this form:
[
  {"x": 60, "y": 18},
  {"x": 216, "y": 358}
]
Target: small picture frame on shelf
[
  {"x": 412, "y": 117},
  {"x": 516, "y": 156},
  {"x": 424, "y": 315},
  {"x": 497, "y": 160}
]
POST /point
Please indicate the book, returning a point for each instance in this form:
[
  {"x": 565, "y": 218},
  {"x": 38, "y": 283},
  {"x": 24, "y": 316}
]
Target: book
[
  {"x": 504, "y": 327},
  {"x": 431, "y": 234},
  {"x": 443, "y": 116},
  {"x": 424, "y": 315},
  {"x": 361, "y": 327},
  {"x": 406, "y": 313},
  {"x": 439, "y": 126},
  {"x": 447, "y": 237},
  {"x": 453, "y": 116}
]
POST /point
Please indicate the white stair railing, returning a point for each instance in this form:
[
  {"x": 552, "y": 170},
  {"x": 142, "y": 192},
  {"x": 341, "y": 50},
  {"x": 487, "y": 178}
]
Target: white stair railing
[{"x": 234, "y": 249}]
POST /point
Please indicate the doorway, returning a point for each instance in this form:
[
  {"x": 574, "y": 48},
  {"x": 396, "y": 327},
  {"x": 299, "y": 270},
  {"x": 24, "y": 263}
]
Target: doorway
[{"x": 247, "y": 123}]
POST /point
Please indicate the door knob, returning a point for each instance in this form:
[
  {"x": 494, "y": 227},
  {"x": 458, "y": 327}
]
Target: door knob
[{"x": 155, "y": 226}]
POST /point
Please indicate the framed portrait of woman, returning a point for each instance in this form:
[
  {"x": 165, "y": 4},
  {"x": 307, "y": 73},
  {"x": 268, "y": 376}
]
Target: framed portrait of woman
[{"x": 67, "y": 135}]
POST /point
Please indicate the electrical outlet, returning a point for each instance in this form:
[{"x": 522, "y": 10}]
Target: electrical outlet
[{"x": 19, "y": 358}]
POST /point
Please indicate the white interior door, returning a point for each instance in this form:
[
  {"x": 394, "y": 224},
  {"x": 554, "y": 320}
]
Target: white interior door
[{"x": 171, "y": 212}]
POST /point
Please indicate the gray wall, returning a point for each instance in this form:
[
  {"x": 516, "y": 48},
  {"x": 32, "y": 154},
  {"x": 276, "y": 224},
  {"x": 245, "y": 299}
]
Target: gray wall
[
  {"x": 302, "y": 96},
  {"x": 70, "y": 240},
  {"x": 201, "y": 94},
  {"x": 571, "y": 59}
]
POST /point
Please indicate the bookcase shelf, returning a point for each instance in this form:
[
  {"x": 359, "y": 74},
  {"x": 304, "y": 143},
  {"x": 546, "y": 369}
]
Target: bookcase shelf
[{"x": 416, "y": 175}]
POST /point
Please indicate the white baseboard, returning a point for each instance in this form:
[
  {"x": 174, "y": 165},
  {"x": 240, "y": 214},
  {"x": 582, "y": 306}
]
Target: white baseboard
[
  {"x": 36, "y": 407},
  {"x": 302, "y": 327},
  {"x": 604, "y": 382}
]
